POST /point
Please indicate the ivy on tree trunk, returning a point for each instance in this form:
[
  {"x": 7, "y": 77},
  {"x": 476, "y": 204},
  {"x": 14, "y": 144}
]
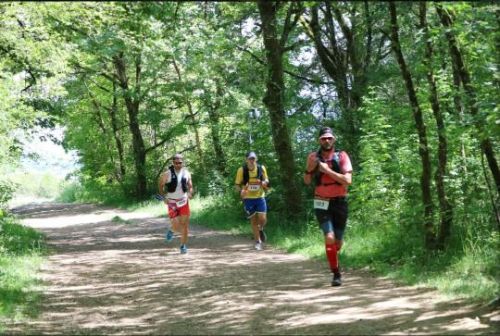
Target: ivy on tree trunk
[{"x": 274, "y": 102}]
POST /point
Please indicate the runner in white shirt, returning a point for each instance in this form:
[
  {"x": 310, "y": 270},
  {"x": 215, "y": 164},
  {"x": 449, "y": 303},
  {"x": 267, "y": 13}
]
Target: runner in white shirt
[{"x": 176, "y": 184}]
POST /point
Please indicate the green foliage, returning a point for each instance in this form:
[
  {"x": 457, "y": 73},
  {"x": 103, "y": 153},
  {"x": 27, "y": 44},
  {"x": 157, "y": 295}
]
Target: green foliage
[
  {"x": 153, "y": 207},
  {"x": 468, "y": 271},
  {"x": 7, "y": 191},
  {"x": 21, "y": 249},
  {"x": 15, "y": 119},
  {"x": 386, "y": 187},
  {"x": 37, "y": 184},
  {"x": 196, "y": 75},
  {"x": 211, "y": 209},
  {"x": 18, "y": 240},
  {"x": 100, "y": 190},
  {"x": 386, "y": 211},
  {"x": 71, "y": 193}
]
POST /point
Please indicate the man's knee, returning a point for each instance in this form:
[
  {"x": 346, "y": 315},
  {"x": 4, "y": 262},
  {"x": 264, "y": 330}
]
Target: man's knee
[{"x": 329, "y": 238}]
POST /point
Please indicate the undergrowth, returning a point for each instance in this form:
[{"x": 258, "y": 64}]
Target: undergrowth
[{"x": 21, "y": 253}]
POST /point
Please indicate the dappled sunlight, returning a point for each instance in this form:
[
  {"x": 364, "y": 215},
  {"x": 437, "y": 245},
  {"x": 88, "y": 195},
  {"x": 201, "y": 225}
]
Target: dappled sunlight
[
  {"x": 57, "y": 219},
  {"x": 115, "y": 278}
]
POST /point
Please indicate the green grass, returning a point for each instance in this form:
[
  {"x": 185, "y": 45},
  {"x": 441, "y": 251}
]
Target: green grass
[
  {"x": 213, "y": 213},
  {"x": 463, "y": 271},
  {"x": 474, "y": 273},
  {"x": 468, "y": 269},
  {"x": 153, "y": 207},
  {"x": 119, "y": 220},
  {"x": 204, "y": 211},
  {"x": 21, "y": 253},
  {"x": 458, "y": 272},
  {"x": 42, "y": 185}
]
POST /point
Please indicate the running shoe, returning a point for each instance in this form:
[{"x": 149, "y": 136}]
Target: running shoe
[
  {"x": 258, "y": 246},
  {"x": 263, "y": 236},
  {"x": 337, "y": 279},
  {"x": 184, "y": 249},
  {"x": 169, "y": 236}
]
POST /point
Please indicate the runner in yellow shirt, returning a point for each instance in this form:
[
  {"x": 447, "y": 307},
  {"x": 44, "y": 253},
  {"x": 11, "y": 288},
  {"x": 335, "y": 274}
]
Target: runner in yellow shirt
[{"x": 252, "y": 182}]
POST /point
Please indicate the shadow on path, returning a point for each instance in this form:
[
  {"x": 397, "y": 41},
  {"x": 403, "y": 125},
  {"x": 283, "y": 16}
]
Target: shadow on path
[{"x": 112, "y": 278}]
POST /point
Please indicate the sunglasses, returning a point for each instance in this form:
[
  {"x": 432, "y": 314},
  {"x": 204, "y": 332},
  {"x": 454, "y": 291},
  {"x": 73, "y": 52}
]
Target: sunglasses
[
  {"x": 177, "y": 163},
  {"x": 326, "y": 139}
]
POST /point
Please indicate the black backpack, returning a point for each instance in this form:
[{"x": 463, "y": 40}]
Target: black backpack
[
  {"x": 172, "y": 185},
  {"x": 335, "y": 167},
  {"x": 246, "y": 173}
]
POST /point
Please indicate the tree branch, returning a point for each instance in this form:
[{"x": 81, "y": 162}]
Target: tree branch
[{"x": 310, "y": 80}]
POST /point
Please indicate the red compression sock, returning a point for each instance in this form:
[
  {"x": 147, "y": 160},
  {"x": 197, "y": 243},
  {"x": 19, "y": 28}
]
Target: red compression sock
[{"x": 331, "y": 254}]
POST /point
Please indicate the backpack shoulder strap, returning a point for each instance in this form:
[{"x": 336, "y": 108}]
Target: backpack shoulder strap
[
  {"x": 335, "y": 164},
  {"x": 172, "y": 170},
  {"x": 259, "y": 172},
  {"x": 318, "y": 155},
  {"x": 246, "y": 174},
  {"x": 336, "y": 161}
]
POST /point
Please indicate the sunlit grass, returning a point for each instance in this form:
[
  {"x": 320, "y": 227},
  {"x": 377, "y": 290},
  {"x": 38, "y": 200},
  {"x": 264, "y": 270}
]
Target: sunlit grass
[
  {"x": 21, "y": 254},
  {"x": 17, "y": 278},
  {"x": 153, "y": 207},
  {"x": 308, "y": 242},
  {"x": 475, "y": 273},
  {"x": 386, "y": 251},
  {"x": 209, "y": 212},
  {"x": 458, "y": 272},
  {"x": 119, "y": 220}
]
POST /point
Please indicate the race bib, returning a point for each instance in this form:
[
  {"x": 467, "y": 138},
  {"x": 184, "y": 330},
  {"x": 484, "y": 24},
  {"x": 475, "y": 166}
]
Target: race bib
[
  {"x": 321, "y": 204},
  {"x": 181, "y": 203},
  {"x": 253, "y": 187}
]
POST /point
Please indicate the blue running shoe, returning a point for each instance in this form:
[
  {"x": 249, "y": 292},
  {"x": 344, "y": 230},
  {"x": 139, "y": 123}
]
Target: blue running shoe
[
  {"x": 184, "y": 249},
  {"x": 169, "y": 236}
]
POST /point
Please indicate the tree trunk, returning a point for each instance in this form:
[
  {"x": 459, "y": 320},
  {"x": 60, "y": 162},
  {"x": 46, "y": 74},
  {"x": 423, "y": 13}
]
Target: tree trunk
[
  {"x": 425, "y": 181},
  {"x": 274, "y": 102},
  {"x": 446, "y": 212},
  {"x": 132, "y": 106},
  {"x": 347, "y": 68},
  {"x": 458, "y": 60},
  {"x": 116, "y": 135}
]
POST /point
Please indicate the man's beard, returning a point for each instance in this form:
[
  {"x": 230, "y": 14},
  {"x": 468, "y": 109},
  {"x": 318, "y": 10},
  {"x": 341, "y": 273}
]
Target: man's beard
[{"x": 327, "y": 147}]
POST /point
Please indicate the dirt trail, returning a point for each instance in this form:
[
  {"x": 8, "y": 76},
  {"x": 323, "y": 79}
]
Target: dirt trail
[{"x": 108, "y": 278}]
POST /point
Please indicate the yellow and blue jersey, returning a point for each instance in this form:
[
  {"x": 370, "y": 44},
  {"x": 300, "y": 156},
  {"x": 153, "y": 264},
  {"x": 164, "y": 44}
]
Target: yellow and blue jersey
[{"x": 254, "y": 188}]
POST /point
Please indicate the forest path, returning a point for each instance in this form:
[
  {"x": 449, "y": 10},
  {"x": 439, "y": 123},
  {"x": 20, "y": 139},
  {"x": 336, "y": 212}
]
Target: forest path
[{"x": 111, "y": 278}]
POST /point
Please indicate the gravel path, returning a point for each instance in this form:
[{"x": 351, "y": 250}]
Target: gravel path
[{"x": 112, "y": 278}]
